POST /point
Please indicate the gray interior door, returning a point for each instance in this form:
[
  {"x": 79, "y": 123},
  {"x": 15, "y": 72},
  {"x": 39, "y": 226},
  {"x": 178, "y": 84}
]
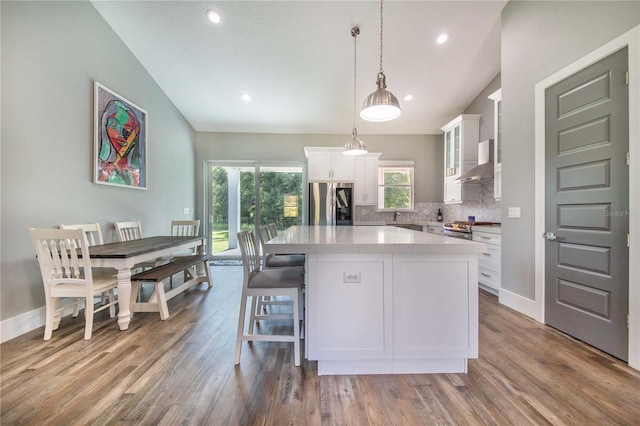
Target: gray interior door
[{"x": 587, "y": 205}]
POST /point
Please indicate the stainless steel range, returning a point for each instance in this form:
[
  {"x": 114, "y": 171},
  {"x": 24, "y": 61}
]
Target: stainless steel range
[{"x": 460, "y": 229}]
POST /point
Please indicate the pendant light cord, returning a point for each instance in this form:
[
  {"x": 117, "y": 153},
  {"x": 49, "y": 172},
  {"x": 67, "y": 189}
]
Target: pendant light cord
[
  {"x": 381, "y": 70},
  {"x": 354, "y": 32},
  {"x": 355, "y": 62}
]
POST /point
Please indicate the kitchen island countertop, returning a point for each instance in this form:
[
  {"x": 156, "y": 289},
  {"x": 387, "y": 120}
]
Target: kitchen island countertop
[{"x": 367, "y": 239}]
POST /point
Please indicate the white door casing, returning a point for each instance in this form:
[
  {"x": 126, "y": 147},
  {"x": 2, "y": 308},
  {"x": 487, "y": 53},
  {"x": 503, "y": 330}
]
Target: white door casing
[{"x": 631, "y": 39}]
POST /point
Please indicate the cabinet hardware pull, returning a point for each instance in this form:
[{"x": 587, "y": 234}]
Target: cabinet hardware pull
[
  {"x": 485, "y": 275},
  {"x": 487, "y": 254},
  {"x": 486, "y": 238}
]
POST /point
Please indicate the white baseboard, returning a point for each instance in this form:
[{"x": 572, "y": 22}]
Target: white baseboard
[
  {"x": 519, "y": 303},
  {"x": 26, "y": 322}
]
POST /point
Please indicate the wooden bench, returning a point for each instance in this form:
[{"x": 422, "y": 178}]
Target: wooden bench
[{"x": 158, "y": 300}]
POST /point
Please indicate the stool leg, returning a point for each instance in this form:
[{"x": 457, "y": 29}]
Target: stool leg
[{"x": 243, "y": 314}]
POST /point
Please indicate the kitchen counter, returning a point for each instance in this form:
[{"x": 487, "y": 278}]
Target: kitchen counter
[
  {"x": 367, "y": 239},
  {"x": 399, "y": 222},
  {"x": 386, "y": 300}
]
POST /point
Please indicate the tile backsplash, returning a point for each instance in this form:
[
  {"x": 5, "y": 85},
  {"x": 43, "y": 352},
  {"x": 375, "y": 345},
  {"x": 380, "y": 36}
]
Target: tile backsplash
[
  {"x": 424, "y": 212},
  {"x": 487, "y": 209}
]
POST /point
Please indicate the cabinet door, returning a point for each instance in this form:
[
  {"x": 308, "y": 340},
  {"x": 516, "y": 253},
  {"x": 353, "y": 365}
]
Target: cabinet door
[
  {"x": 433, "y": 306},
  {"x": 457, "y": 151},
  {"x": 448, "y": 163},
  {"x": 452, "y": 192},
  {"x": 497, "y": 183},
  {"x": 319, "y": 166},
  {"x": 343, "y": 167},
  {"x": 453, "y": 152},
  {"x": 366, "y": 182},
  {"x": 497, "y": 144},
  {"x": 352, "y": 310}
]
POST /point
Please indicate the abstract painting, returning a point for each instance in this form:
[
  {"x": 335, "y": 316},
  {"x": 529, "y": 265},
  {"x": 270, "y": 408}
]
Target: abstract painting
[{"x": 120, "y": 152}]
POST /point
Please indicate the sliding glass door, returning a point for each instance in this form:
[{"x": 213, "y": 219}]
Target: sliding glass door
[
  {"x": 244, "y": 195},
  {"x": 281, "y": 196}
]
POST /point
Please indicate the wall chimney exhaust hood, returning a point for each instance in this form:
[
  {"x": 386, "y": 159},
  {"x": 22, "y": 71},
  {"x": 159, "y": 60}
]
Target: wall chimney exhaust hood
[{"x": 483, "y": 172}]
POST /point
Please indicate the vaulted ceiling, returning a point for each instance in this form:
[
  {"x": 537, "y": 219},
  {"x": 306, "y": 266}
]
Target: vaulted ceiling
[{"x": 295, "y": 59}]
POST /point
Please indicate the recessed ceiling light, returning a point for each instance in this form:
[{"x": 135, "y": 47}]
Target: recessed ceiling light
[
  {"x": 213, "y": 16},
  {"x": 245, "y": 97},
  {"x": 408, "y": 97},
  {"x": 442, "y": 38}
]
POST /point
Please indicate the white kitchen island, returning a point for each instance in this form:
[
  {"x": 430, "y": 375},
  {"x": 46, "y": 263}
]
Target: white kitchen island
[{"x": 386, "y": 300}]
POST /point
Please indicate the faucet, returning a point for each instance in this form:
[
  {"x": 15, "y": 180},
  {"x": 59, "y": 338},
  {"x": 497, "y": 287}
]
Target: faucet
[{"x": 395, "y": 215}]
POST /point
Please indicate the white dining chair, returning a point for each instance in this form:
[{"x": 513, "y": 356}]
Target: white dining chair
[
  {"x": 132, "y": 230},
  {"x": 275, "y": 282},
  {"x": 65, "y": 266},
  {"x": 128, "y": 230},
  {"x": 184, "y": 228},
  {"x": 93, "y": 233}
]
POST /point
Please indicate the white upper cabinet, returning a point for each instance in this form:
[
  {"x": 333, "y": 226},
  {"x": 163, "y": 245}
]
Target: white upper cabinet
[
  {"x": 365, "y": 187},
  {"x": 461, "y": 137},
  {"x": 329, "y": 164},
  {"x": 496, "y": 97}
]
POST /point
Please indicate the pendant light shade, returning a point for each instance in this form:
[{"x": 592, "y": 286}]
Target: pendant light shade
[
  {"x": 381, "y": 105},
  {"x": 355, "y": 146}
]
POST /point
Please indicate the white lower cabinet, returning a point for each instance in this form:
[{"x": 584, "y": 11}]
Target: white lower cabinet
[
  {"x": 489, "y": 263},
  {"x": 391, "y": 313},
  {"x": 353, "y": 293},
  {"x": 433, "y": 308}
]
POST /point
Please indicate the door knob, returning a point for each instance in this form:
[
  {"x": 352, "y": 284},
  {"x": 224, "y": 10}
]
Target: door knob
[{"x": 550, "y": 236}]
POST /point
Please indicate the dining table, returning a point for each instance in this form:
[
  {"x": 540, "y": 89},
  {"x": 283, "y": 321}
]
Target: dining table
[{"x": 124, "y": 255}]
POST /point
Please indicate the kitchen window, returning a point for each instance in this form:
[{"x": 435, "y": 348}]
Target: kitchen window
[{"x": 395, "y": 185}]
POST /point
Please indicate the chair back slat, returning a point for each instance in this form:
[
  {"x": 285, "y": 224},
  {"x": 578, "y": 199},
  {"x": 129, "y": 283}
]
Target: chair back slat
[
  {"x": 185, "y": 228},
  {"x": 272, "y": 228},
  {"x": 57, "y": 252},
  {"x": 128, "y": 231},
  {"x": 248, "y": 249},
  {"x": 91, "y": 230},
  {"x": 264, "y": 235}
]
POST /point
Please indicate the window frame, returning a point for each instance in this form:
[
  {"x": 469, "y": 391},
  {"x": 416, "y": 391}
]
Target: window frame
[{"x": 386, "y": 165}]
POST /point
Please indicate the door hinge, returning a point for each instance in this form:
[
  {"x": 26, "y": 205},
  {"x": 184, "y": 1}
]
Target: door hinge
[
  {"x": 626, "y": 78},
  {"x": 627, "y": 321},
  {"x": 628, "y": 240},
  {"x": 628, "y": 159}
]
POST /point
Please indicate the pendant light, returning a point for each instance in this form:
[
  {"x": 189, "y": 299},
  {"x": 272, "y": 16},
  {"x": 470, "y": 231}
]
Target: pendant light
[
  {"x": 355, "y": 146},
  {"x": 381, "y": 105}
]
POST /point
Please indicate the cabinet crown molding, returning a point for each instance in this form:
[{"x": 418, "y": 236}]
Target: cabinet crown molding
[{"x": 458, "y": 119}]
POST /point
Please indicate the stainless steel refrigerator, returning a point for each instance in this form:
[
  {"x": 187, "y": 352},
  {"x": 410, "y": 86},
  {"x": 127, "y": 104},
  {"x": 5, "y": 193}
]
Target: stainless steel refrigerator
[{"x": 330, "y": 203}]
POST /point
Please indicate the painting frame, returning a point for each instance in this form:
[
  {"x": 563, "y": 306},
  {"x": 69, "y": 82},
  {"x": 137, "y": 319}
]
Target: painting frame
[{"x": 120, "y": 140}]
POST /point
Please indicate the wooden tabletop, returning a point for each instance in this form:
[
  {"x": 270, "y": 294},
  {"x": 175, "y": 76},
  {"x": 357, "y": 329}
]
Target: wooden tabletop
[{"x": 132, "y": 248}]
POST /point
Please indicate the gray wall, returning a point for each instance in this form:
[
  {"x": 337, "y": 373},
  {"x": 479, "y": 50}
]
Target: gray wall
[
  {"x": 538, "y": 39},
  {"x": 484, "y": 106},
  {"x": 425, "y": 150},
  {"x": 51, "y": 54}
]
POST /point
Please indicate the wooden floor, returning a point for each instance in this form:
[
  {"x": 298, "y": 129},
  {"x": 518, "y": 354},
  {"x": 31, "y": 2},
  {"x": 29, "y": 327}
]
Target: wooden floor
[{"x": 181, "y": 371}]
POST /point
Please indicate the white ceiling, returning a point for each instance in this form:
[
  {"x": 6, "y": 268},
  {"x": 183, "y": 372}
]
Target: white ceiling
[{"x": 295, "y": 58}]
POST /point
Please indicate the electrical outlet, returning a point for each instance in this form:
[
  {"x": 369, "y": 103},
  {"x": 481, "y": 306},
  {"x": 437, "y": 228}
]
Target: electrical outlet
[
  {"x": 352, "y": 277},
  {"x": 185, "y": 210},
  {"x": 514, "y": 212}
]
